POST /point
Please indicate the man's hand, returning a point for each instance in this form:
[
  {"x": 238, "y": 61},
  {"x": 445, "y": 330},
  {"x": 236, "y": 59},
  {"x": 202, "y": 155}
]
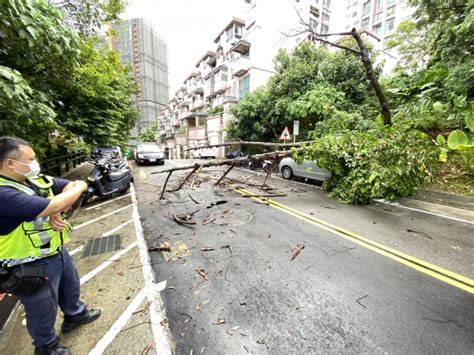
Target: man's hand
[{"x": 57, "y": 222}]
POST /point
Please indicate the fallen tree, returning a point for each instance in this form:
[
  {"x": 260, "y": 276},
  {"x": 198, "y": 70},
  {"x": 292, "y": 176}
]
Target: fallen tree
[
  {"x": 262, "y": 144},
  {"x": 275, "y": 157}
]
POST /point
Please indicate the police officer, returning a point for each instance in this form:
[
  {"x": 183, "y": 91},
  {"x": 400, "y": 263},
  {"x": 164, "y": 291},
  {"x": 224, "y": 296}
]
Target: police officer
[{"x": 36, "y": 266}]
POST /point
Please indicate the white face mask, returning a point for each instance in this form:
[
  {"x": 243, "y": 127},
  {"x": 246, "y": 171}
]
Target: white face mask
[{"x": 35, "y": 169}]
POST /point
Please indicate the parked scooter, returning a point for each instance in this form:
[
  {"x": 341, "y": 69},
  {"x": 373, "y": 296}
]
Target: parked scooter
[
  {"x": 254, "y": 164},
  {"x": 106, "y": 180}
]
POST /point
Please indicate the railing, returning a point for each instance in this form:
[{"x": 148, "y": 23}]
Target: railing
[{"x": 62, "y": 164}]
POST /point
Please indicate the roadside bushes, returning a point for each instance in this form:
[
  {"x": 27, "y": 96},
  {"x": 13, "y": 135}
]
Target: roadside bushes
[{"x": 382, "y": 163}]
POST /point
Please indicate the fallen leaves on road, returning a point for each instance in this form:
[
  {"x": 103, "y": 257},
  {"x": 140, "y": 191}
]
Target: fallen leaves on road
[
  {"x": 295, "y": 252},
  {"x": 219, "y": 322},
  {"x": 420, "y": 233},
  {"x": 202, "y": 273},
  {"x": 186, "y": 219}
]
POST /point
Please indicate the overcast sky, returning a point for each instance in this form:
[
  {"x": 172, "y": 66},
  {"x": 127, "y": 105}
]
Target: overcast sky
[{"x": 189, "y": 28}]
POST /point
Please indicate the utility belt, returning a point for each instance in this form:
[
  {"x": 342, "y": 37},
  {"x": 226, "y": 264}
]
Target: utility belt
[{"x": 23, "y": 278}]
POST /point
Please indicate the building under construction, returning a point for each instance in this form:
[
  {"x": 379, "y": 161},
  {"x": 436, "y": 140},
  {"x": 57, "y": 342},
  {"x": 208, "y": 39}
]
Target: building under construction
[{"x": 142, "y": 47}]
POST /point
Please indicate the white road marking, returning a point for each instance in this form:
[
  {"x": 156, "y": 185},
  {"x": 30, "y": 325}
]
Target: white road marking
[
  {"x": 119, "y": 324},
  {"x": 396, "y": 204},
  {"x": 116, "y": 229},
  {"x": 157, "y": 309},
  {"x": 106, "y": 263},
  {"x": 101, "y": 217},
  {"x": 77, "y": 250},
  {"x": 106, "y": 202}
]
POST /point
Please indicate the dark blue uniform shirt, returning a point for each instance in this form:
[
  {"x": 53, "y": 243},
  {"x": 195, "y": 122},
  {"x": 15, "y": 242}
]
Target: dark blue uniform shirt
[{"x": 16, "y": 206}]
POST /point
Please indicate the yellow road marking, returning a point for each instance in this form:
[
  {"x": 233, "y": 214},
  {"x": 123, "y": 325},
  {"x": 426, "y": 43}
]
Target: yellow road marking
[{"x": 437, "y": 272}]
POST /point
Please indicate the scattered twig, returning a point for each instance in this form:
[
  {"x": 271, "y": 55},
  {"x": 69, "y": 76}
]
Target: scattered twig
[
  {"x": 420, "y": 233},
  {"x": 219, "y": 322},
  {"x": 179, "y": 220},
  {"x": 228, "y": 247},
  {"x": 160, "y": 247},
  {"x": 202, "y": 273},
  {"x": 360, "y": 299},
  {"x": 192, "y": 199},
  {"x": 438, "y": 320},
  {"x": 145, "y": 309},
  {"x": 195, "y": 177},
  {"x": 216, "y": 203},
  {"x": 224, "y": 175},
  {"x": 164, "y": 186},
  {"x": 196, "y": 167},
  {"x": 184, "y": 314},
  {"x": 295, "y": 252},
  {"x": 147, "y": 349},
  {"x": 208, "y": 220},
  {"x": 208, "y": 249}
]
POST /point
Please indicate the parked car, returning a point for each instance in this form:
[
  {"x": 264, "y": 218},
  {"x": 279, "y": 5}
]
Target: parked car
[
  {"x": 203, "y": 153},
  {"x": 149, "y": 153},
  {"x": 113, "y": 151},
  {"x": 308, "y": 169}
]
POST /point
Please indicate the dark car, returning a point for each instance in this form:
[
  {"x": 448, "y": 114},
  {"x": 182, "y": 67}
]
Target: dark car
[{"x": 149, "y": 153}]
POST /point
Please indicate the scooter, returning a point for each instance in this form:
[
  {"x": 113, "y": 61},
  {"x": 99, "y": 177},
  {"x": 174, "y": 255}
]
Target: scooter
[
  {"x": 105, "y": 181},
  {"x": 266, "y": 165}
]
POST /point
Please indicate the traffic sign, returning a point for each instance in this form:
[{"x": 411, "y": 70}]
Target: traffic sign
[
  {"x": 296, "y": 128},
  {"x": 285, "y": 135}
]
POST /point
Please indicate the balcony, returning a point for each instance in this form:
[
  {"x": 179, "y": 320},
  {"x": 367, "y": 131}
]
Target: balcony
[
  {"x": 181, "y": 139},
  {"x": 220, "y": 86},
  {"x": 198, "y": 104},
  {"x": 241, "y": 66},
  {"x": 197, "y": 133},
  {"x": 242, "y": 47},
  {"x": 185, "y": 114}
]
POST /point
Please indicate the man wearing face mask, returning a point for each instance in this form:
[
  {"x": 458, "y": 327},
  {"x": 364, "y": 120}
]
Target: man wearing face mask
[{"x": 34, "y": 264}]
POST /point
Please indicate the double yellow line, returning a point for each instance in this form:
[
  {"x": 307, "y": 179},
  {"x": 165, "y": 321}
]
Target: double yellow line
[{"x": 437, "y": 272}]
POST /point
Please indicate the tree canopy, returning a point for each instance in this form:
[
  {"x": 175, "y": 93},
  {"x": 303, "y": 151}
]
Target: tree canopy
[{"x": 58, "y": 89}]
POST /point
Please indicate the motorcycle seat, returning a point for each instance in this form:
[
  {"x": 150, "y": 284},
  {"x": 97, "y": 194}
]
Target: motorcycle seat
[{"x": 117, "y": 175}]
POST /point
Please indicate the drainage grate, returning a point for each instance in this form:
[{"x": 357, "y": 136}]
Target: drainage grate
[{"x": 103, "y": 245}]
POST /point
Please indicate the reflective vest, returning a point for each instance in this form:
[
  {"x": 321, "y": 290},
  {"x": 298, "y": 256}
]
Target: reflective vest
[{"x": 31, "y": 239}]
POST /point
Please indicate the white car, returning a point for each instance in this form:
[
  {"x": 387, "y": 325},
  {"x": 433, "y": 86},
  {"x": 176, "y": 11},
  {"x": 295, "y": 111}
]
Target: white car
[
  {"x": 203, "y": 153},
  {"x": 308, "y": 169}
]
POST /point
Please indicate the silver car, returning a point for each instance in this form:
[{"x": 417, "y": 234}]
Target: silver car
[{"x": 308, "y": 169}]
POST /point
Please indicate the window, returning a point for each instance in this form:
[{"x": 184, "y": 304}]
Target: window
[
  {"x": 390, "y": 2},
  {"x": 378, "y": 29},
  {"x": 391, "y": 11},
  {"x": 223, "y": 74},
  {"x": 354, "y": 14},
  {"x": 365, "y": 23},
  {"x": 390, "y": 24},
  {"x": 244, "y": 86},
  {"x": 324, "y": 28},
  {"x": 379, "y": 4},
  {"x": 325, "y": 17},
  {"x": 378, "y": 17},
  {"x": 366, "y": 9},
  {"x": 326, "y": 4},
  {"x": 313, "y": 24}
]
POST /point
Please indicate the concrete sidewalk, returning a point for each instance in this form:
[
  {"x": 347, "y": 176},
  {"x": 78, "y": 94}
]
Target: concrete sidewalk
[{"x": 116, "y": 277}]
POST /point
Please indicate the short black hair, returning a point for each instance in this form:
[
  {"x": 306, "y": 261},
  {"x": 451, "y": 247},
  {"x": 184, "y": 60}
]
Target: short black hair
[{"x": 10, "y": 147}]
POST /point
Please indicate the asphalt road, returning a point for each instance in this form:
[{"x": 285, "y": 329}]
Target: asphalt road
[{"x": 362, "y": 283}]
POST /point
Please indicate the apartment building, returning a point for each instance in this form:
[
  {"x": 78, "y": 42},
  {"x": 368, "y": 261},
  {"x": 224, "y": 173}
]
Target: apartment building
[
  {"x": 240, "y": 62},
  {"x": 381, "y": 18},
  {"x": 142, "y": 47}
]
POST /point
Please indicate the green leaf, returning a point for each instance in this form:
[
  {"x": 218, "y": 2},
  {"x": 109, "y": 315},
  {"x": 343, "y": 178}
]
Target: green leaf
[
  {"x": 457, "y": 138},
  {"x": 438, "y": 106},
  {"x": 441, "y": 140},
  {"x": 470, "y": 123}
]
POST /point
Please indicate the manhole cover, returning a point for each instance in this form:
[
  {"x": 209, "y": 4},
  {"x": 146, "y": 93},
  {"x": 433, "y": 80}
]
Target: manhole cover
[
  {"x": 231, "y": 217},
  {"x": 103, "y": 245}
]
